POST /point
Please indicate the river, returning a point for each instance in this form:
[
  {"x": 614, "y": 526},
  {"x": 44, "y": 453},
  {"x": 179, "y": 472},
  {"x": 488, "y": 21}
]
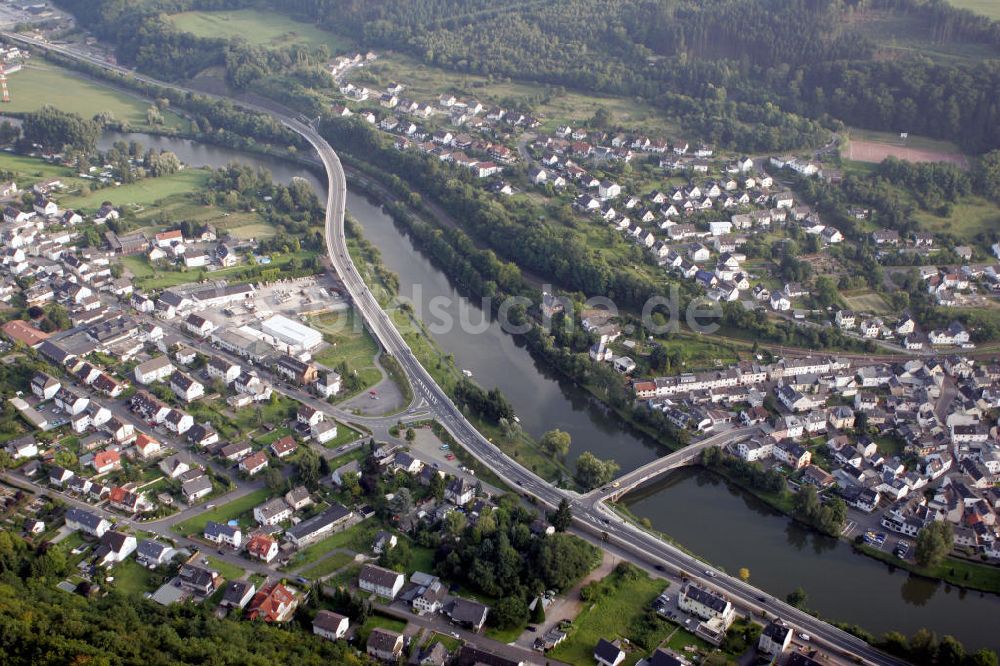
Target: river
[
  {"x": 541, "y": 399},
  {"x": 709, "y": 517},
  {"x": 731, "y": 528}
]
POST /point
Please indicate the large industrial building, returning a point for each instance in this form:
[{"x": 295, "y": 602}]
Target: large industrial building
[{"x": 291, "y": 332}]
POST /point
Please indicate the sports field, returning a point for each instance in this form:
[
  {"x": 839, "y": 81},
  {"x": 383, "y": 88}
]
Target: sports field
[{"x": 874, "y": 147}]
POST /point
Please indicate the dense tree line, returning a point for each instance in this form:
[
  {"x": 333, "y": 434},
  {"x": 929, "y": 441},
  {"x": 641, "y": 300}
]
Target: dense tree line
[
  {"x": 500, "y": 557},
  {"x": 42, "y": 625},
  {"x": 491, "y": 405},
  {"x": 750, "y": 474},
  {"x": 516, "y": 235},
  {"x": 56, "y": 130}
]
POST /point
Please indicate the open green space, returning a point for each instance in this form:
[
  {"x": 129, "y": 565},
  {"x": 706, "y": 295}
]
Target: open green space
[
  {"x": 326, "y": 567},
  {"x": 968, "y": 218},
  {"x": 380, "y": 622},
  {"x": 261, "y": 28},
  {"x": 40, "y": 83},
  {"x": 28, "y": 170},
  {"x": 990, "y": 8},
  {"x": 142, "y": 193},
  {"x": 953, "y": 570},
  {"x": 865, "y": 301},
  {"x": 226, "y": 570},
  {"x": 345, "y": 435},
  {"x": 616, "y": 613},
  {"x": 347, "y": 342},
  {"x": 224, "y": 513},
  {"x": 132, "y": 578},
  {"x": 357, "y": 538}
]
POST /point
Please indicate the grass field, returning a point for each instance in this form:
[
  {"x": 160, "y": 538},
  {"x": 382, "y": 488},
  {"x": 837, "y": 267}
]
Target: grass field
[
  {"x": 866, "y": 302},
  {"x": 226, "y": 570},
  {"x": 131, "y": 578},
  {"x": 357, "y": 538},
  {"x": 378, "y": 621},
  {"x": 28, "y": 170},
  {"x": 224, "y": 513},
  {"x": 328, "y": 566},
  {"x": 968, "y": 218},
  {"x": 614, "y": 615},
  {"x": 40, "y": 83},
  {"x": 248, "y": 231},
  {"x": 142, "y": 193},
  {"x": 348, "y": 341},
  {"x": 345, "y": 435},
  {"x": 261, "y": 28},
  {"x": 990, "y": 8}
]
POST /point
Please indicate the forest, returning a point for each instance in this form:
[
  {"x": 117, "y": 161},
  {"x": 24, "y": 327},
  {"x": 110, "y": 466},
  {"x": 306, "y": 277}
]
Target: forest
[
  {"x": 753, "y": 75},
  {"x": 41, "y": 625}
]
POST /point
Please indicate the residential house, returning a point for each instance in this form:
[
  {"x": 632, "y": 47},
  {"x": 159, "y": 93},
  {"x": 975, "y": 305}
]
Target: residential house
[
  {"x": 223, "y": 534},
  {"x": 382, "y": 582},
  {"x": 467, "y": 613},
  {"x": 273, "y": 603},
  {"x": 384, "y": 645},
  {"x": 262, "y": 547},
  {"x": 254, "y": 463},
  {"x": 329, "y": 625}
]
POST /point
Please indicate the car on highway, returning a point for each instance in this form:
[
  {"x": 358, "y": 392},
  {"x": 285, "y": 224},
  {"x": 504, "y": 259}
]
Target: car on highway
[
  {"x": 659, "y": 567},
  {"x": 709, "y": 573}
]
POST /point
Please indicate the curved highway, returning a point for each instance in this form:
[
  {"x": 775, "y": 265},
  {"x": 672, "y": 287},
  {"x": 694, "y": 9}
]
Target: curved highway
[{"x": 590, "y": 514}]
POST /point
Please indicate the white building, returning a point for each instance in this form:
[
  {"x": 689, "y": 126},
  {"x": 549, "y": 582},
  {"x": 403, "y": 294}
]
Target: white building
[{"x": 291, "y": 332}]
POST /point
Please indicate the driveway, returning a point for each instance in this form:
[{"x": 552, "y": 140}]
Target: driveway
[{"x": 568, "y": 605}]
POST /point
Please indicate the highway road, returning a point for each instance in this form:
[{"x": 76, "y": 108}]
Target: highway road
[{"x": 591, "y": 515}]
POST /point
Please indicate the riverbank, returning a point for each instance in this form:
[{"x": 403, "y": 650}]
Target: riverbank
[{"x": 705, "y": 513}]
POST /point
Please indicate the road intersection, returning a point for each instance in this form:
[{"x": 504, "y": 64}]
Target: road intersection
[{"x": 592, "y": 517}]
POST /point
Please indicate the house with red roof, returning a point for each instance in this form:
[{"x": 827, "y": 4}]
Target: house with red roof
[
  {"x": 105, "y": 461},
  {"x": 273, "y": 603}
]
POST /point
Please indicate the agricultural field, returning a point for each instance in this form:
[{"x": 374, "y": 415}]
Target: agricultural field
[
  {"x": 904, "y": 35},
  {"x": 968, "y": 218},
  {"x": 141, "y": 194},
  {"x": 261, "y": 28},
  {"x": 33, "y": 87},
  {"x": 989, "y": 8}
]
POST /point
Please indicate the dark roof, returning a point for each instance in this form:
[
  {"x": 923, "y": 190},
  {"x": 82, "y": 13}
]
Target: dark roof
[
  {"x": 114, "y": 540},
  {"x": 382, "y": 640},
  {"x": 467, "y": 611},
  {"x": 777, "y": 632},
  {"x": 607, "y": 651},
  {"x": 332, "y": 515},
  {"x": 469, "y": 655},
  {"x": 151, "y": 550},
  {"x": 237, "y": 592},
  {"x": 378, "y": 575},
  {"x": 86, "y": 518},
  {"x": 664, "y": 658},
  {"x": 328, "y": 620},
  {"x": 706, "y": 598}
]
